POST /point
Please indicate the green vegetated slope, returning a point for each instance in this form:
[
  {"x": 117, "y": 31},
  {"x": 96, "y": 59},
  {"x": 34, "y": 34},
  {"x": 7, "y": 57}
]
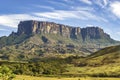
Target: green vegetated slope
[
  {"x": 35, "y": 39},
  {"x": 37, "y": 46},
  {"x": 105, "y": 62},
  {"x": 107, "y": 55},
  {"x": 38, "y": 50},
  {"x": 27, "y": 47}
]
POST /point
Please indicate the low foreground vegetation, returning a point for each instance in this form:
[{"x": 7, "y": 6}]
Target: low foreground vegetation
[
  {"x": 22, "y": 77},
  {"x": 100, "y": 66}
]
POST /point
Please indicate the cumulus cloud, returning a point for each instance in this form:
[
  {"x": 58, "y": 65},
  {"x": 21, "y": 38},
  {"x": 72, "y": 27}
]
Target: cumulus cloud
[{"x": 115, "y": 8}]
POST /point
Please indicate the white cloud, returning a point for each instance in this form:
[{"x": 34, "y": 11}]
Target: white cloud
[
  {"x": 44, "y": 7},
  {"x": 79, "y": 13},
  {"x": 76, "y": 14},
  {"x": 66, "y": 0},
  {"x": 12, "y": 20},
  {"x": 118, "y": 33},
  {"x": 83, "y": 8},
  {"x": 3, "y": 29},
  {"x": 57, "y": 3},
  {"x": 7, "y": 21},
  {"x": 89, "y": 25},
  {"x": 105, "y": 2},
  {"x": 86, "y": 1},
  {"x": 115, "y": 8},
  {"x": 59, "y": 15},
  {"x": 102, "y": 3}
]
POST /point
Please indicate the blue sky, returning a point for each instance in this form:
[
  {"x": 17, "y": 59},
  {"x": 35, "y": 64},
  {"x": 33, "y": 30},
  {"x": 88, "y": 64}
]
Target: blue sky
[{"x": 78, "y": 13}]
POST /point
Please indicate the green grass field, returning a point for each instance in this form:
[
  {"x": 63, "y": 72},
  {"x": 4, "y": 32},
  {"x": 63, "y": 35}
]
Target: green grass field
[
  {"x": 105, "y": 69},
  {"x": 23, "y": 77}
]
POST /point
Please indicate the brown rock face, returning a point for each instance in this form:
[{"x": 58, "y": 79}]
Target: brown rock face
[
  {"x": 42, "y": 27},
  {"x": 26, "y": 27},
  {"x": 93, "y": 33},
  {"x": 30, "y": 27}
]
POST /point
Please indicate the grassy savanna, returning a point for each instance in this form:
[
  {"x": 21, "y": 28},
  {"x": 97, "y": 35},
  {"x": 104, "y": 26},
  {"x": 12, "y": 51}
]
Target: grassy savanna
[
  {"x": 101, "y": 71},
  {"x": 102, "y": 65},
  {"x": 23, "y": 77}
]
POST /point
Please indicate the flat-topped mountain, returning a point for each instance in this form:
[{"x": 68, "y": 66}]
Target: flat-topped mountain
[
  {"x": 38, "y": 37},
  {"x": 51, "y": 32},
  {"x": 42, "y": 27}
]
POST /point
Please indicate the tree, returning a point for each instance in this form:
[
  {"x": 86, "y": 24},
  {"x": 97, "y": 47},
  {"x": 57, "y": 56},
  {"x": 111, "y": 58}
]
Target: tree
[{"x": 6, "y": 73}]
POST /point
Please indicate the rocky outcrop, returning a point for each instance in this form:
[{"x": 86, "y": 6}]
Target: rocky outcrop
[
  {"x": 93, "y": 33},
  {"x": 56, "y": 38},
  {"x": 43, "y": 27}
]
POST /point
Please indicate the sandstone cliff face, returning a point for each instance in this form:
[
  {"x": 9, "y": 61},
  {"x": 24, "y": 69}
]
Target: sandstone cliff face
[
  {"x": 42, "y": 27},
  {"x": 93, "y": 33},
  {"x": 35, "y": 27}
]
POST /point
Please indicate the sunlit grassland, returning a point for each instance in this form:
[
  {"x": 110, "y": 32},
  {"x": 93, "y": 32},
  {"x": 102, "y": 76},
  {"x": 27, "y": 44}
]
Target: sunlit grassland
[
  {"x": 103, "y": 71},
  {"x": 88, "y": 69},
  {"x": 23, "y": 77}
]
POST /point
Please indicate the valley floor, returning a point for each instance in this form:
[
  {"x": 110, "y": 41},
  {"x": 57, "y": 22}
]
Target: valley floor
[{"x": 23, "y": 77}]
